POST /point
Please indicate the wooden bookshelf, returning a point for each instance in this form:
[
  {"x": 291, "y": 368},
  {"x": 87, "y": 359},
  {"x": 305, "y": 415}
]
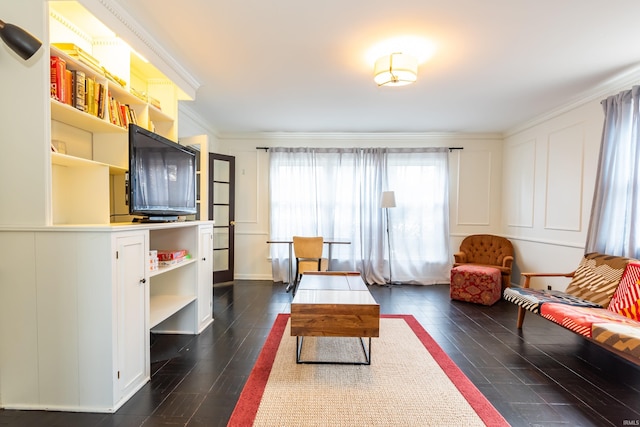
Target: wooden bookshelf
[{"x": 101, "y": 139}]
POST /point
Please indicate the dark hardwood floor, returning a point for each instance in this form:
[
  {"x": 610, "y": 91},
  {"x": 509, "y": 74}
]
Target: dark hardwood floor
[{"x": 541, "y": 376}]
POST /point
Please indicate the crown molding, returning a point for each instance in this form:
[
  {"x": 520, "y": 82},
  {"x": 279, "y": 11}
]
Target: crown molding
[
  {"x": 116, "y": 17},
  {"x": 71, "y": 26},
  {"x": 192, "y": 114},
  {"x": 361, "y": 136},
  {"x": 621, "y": 81},
  {"x": 187, "y": 111}
]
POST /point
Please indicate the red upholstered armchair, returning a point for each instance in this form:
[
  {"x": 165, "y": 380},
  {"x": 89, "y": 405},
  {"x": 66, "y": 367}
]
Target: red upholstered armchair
[{"x": 489, "y": 251}]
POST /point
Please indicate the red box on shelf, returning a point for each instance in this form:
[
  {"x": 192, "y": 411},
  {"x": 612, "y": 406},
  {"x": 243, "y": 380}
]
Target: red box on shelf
[{"x": 168, "y": 255}]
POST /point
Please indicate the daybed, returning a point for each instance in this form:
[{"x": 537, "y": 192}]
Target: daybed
[{"x": 601, "y": 303}]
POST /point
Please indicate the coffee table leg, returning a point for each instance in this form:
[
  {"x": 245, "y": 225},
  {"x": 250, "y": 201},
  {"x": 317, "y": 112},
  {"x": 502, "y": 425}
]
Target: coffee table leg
[
  {"x": 298, "y": 348},
  {"x": 367, "y": 354},
  {"x": 365, "y": 351}
]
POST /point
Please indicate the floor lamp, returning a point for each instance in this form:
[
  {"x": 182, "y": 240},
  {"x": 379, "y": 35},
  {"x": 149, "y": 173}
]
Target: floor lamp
[{"x": 388, "y": 200}]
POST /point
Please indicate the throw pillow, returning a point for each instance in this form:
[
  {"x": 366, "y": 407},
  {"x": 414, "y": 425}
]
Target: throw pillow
[{"x": 626, "y": 299}]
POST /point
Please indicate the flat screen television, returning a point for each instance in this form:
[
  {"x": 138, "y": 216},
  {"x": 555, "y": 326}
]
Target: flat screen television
[{"x": 162, "y": 177}]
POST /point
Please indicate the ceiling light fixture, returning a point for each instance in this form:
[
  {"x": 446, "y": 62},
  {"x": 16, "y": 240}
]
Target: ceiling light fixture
[
  {"x": 20, "y": 41},
  {"x": 396, "y": 69}
]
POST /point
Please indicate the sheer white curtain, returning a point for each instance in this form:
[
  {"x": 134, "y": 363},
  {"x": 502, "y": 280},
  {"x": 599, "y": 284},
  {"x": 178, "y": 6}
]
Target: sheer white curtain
[
  {"x": 336, "y": 193},
  {"x": 615, "y": 214},
  {"x": 419, "y": 225}
]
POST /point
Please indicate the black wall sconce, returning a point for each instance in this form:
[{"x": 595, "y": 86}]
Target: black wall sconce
[{"x": 20, "y": 41}]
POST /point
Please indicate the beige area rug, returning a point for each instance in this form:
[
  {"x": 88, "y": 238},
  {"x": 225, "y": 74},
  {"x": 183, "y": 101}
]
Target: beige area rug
[{"x": 410, "y": 382}]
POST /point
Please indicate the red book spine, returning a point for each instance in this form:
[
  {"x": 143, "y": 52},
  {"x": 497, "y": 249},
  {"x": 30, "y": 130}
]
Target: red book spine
[{"x": 58, "y": 71}]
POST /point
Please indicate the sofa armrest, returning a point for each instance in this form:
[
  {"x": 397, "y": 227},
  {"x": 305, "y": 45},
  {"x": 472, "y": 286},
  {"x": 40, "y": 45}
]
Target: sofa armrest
[
  {"x": 460, "y": 257},
  {"x": 528, "y": 276}
]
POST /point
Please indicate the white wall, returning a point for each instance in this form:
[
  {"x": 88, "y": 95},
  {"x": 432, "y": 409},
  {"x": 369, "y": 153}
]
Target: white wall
[
  {"x": 475, "y": 174},
  {"x": 190, "y": 124},
  {"x": 533, "y": 185},
  {"x": 25, "y": 197},
  {"x": 549, "y": 176}
]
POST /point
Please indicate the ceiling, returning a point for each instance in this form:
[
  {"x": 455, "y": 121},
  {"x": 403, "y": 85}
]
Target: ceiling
[{"x": 302, "y": 66}]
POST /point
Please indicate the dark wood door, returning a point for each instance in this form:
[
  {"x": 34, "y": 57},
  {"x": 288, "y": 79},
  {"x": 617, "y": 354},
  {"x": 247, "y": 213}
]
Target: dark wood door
[{"x": 222, "y": 210}]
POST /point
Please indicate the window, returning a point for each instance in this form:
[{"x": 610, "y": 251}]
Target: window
[
  {"x": 615, "y": 214},
  {"x": 336, "y": 193}
]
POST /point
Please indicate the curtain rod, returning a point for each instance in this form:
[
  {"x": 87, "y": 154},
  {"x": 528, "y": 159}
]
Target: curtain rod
[{"x": 449, "y": 148}]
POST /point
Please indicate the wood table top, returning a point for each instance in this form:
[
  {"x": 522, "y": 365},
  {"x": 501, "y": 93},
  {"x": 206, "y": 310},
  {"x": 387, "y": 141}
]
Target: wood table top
[{"x": 333, "y": 289}]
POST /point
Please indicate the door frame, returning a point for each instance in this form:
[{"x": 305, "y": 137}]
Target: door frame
[{"x": 223, "y": 275}]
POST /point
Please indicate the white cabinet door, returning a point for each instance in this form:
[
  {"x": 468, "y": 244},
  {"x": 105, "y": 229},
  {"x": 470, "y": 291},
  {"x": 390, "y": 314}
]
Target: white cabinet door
[
  {"x": 205, "y": 276},
  {"x": 132, "y": 302}
]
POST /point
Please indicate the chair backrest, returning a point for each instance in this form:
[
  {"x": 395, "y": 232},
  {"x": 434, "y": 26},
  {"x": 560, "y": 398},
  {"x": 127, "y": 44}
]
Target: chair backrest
[
  {"x": 308, "y": 247},
  {"x": 597, "y": 277},
  {"x": 486, "y": 249}
]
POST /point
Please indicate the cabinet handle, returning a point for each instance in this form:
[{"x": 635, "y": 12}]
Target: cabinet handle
[
  {"x": 204, "y": 259},
  {"x": 143, "y": 280}
]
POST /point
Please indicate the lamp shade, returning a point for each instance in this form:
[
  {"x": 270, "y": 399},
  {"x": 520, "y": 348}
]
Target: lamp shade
[
  {"x": 20, "y": 41},
  {"x": 396, "y": 69},
  {"x": 388, "y": 199}
]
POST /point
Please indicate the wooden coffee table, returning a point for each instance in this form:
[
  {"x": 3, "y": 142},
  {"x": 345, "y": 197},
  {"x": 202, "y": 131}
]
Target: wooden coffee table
[{"x": 334, "y": 305}]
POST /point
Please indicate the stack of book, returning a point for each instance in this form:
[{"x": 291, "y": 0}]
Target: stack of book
[
  {"x": 139, "y": 94},
  {"x": 80, "y": 55},
  {"x": 121, "y": 114},
  {"x": 155, "y": 102},
  {"x": 73, "y": 87},
  {"x": 153, "y": 260},
  {"x": 67, "y": 86},
  {"x": 172, "y": 257}
]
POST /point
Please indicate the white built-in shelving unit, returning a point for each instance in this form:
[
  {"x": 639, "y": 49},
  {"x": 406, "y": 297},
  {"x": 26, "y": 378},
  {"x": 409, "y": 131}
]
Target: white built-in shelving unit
[{"x": 79, "y": 291}]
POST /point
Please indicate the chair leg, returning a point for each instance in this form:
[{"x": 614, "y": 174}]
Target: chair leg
[
  {"x": 296, "y": 279},
  {"x": 293, "y": 285},
  {"x": 521, "y": 313},
  {"x": 506, "y": 282}
]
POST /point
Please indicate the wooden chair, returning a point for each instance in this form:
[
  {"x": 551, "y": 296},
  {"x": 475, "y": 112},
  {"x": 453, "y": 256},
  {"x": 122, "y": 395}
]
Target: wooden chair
[{"x": 308, "y": 253}]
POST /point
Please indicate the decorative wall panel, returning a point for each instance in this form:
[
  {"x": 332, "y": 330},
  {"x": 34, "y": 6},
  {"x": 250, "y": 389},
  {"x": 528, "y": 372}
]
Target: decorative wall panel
[
  {"x": 474, "y": 188},
  {"x": 565, "y": 158},
  {"x": 519, "y": 188},
  {"x": 247, "y": 179}
]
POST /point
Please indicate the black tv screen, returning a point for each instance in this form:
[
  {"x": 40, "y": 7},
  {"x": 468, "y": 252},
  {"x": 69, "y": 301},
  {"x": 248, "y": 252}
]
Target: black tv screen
[{"x": 162, "y": 176}]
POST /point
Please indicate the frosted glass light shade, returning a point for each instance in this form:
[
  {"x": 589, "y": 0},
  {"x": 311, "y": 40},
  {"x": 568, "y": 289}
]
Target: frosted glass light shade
[
  {"x": 396, "y": 69},
  {"x": 388, "y": 199}
]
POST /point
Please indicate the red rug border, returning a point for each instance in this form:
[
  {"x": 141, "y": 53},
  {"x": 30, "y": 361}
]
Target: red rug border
[{"x": 249, "y": 400}]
